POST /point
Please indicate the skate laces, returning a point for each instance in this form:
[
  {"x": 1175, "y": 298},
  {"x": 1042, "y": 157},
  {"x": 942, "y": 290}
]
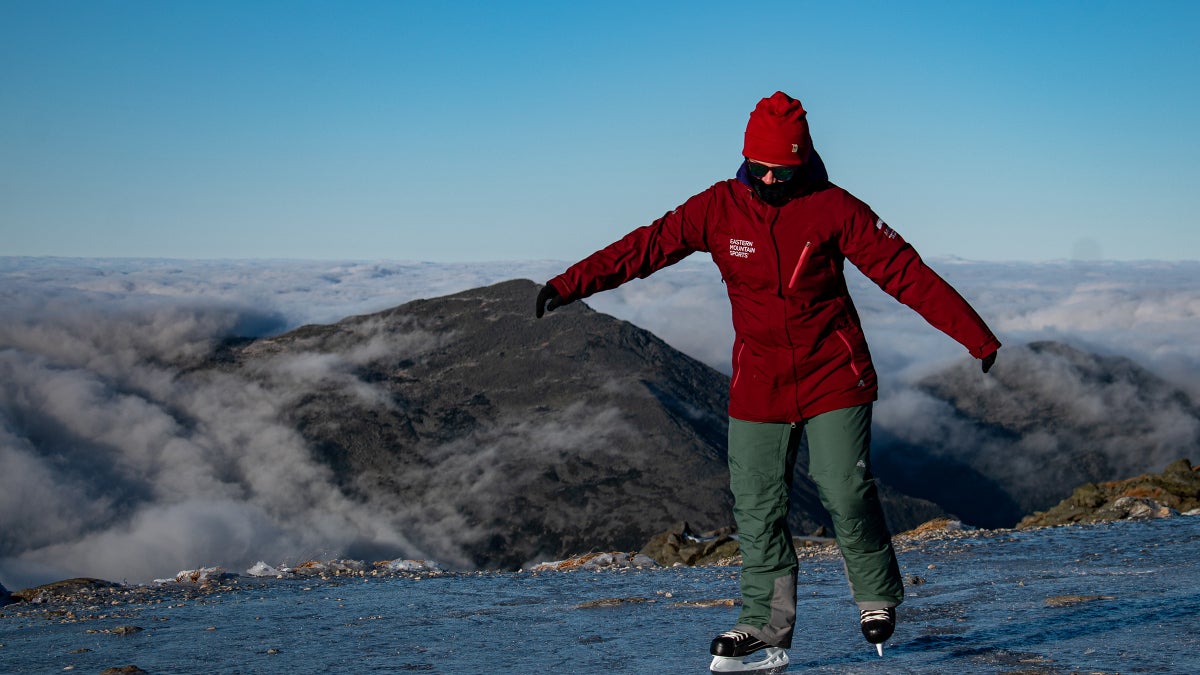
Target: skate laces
[
  {"x": 737, "y": 635},
  {"x": 868, "y": 615}
]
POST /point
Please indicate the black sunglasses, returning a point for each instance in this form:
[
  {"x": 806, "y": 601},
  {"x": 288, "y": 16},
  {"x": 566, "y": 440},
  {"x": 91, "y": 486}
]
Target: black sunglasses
[{"x": 782, "y": 173}]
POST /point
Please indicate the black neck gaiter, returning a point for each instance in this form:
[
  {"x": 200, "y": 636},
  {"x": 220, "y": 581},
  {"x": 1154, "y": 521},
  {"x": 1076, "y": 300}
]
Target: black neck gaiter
[
  {"x": 811, "y": 178},
  {"x": 778, "y": 194}
]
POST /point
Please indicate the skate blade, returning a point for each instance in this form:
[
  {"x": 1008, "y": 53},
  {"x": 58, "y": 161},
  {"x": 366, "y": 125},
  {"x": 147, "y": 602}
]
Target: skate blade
[
  {"x": 774, "y": 660},
  {"x": 879, "y": 649}
]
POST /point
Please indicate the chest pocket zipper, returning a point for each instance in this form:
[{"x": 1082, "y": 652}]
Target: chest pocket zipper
[{"x": 799, "y": 264}]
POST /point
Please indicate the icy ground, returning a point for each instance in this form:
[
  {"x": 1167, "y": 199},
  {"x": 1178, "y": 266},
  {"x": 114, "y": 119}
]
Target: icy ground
[{"x": 1116, "y": 598}]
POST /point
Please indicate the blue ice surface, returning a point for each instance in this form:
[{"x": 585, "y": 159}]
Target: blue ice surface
[{"x": 982, "y": 607}]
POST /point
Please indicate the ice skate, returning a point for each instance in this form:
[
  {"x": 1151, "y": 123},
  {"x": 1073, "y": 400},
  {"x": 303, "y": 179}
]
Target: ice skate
[
  {"x": 736, "y": 651},
  {"x": 878, "y": 625}
]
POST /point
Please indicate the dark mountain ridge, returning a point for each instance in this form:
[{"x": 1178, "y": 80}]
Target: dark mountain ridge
[
  {"x": 503, "y": 438},
  {"x": 494, "y": 439}
]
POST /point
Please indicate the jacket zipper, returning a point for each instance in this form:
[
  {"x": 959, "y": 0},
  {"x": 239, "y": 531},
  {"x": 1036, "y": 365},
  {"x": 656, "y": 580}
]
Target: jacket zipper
[
  {"x": 800, "y": 263},
  {"x": 853, "y": 365},
  {"x": 737, "y": 364}
]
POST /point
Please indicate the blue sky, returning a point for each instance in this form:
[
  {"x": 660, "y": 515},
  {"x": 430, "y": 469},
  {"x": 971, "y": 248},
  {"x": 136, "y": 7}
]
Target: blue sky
[{"x": 473, "y": 131}]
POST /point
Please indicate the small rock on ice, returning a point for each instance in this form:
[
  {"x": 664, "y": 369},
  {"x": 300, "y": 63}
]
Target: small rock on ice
[
  {"x": 199, "y": 576},
  {"x": 596, "y": 561},
  {"x": 412, "y": 566},
  {"x": 262, "y": 569}
]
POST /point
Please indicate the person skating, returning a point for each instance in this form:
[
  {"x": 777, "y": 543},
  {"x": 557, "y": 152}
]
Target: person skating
[{"x": 780, "y": 233}]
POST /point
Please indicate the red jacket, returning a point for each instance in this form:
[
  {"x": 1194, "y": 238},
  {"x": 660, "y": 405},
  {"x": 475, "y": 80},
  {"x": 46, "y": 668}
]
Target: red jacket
[{"x": 799, "y": 348}]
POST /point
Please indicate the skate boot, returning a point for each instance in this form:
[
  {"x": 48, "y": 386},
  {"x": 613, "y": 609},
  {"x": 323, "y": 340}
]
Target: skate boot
[
  {"x": 735, "y": 651},
  {"x": 877, "y": 625}
]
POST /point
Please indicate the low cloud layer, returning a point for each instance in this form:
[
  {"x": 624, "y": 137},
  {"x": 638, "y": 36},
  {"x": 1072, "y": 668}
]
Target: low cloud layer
[{"x": 112, "y": 465}]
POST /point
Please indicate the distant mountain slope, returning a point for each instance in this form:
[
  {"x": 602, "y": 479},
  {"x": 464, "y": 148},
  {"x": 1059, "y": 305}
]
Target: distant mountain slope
[
  {"x": 501, "y": 438},
  {"x": 1049, "y": 418}
]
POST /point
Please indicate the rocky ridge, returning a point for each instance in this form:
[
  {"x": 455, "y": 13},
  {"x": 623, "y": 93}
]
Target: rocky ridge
[
  {"x": 496, "y": 438},
  {"x": 1176, "y": 490},
  {"x": 505, "y": 439}
]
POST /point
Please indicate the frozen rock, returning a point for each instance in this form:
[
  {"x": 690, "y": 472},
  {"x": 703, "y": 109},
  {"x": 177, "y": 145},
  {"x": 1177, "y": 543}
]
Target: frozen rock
[
  {"x": 1135, "y": 507},
  {"x": 681, "y": 545},
  {"x": 596, "y": 561},
  {"x": 602, "y": 560},
  {"x": 311, "y": 568},
  {"x": 199, "y": 576},
  {"x": 262, "y": 569},
  {"x": 331, "y": 567},
  {"x": 619, "y": 560},
  {"x": 5, "y": 596},
  {"x": 346, "y": 566},
  {"x": 1072, "y": 600},
  {"x": 640, "y": 560},
  {"x": 708, "y": 603},
  {"x": 611, "y": 602},
  {"x": 932, "y": 528},
  {"x": 67, "y": 589},
  {"x": 412, "y": 566}
]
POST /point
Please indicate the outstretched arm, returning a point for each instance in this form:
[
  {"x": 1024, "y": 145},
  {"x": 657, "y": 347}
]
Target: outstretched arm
[
  {"x": 638, "y": 254},
  {"x": 894, "y": 265}
]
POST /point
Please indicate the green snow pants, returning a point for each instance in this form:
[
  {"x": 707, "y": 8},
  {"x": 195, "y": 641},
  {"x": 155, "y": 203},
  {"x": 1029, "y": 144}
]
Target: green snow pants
[{"x": 761, "y": 460}]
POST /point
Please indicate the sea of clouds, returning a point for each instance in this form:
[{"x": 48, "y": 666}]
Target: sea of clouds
[{"x": 113, "y": 466}]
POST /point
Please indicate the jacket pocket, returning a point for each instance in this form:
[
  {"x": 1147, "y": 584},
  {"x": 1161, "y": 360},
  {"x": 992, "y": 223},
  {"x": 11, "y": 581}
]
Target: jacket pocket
[
  {"x": 799, "y": 265},
  {"x": 737, "y": 364},
  {"x": 853, "y": 355}
]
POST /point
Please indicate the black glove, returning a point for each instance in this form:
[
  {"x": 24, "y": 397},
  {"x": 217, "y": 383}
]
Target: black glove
[
  {"x": 988, "y": 361},
  {"x": 548, "y": 300}
]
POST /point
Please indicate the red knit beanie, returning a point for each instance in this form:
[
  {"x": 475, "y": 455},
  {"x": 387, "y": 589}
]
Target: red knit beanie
[{"x": 778, "y": 131}]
